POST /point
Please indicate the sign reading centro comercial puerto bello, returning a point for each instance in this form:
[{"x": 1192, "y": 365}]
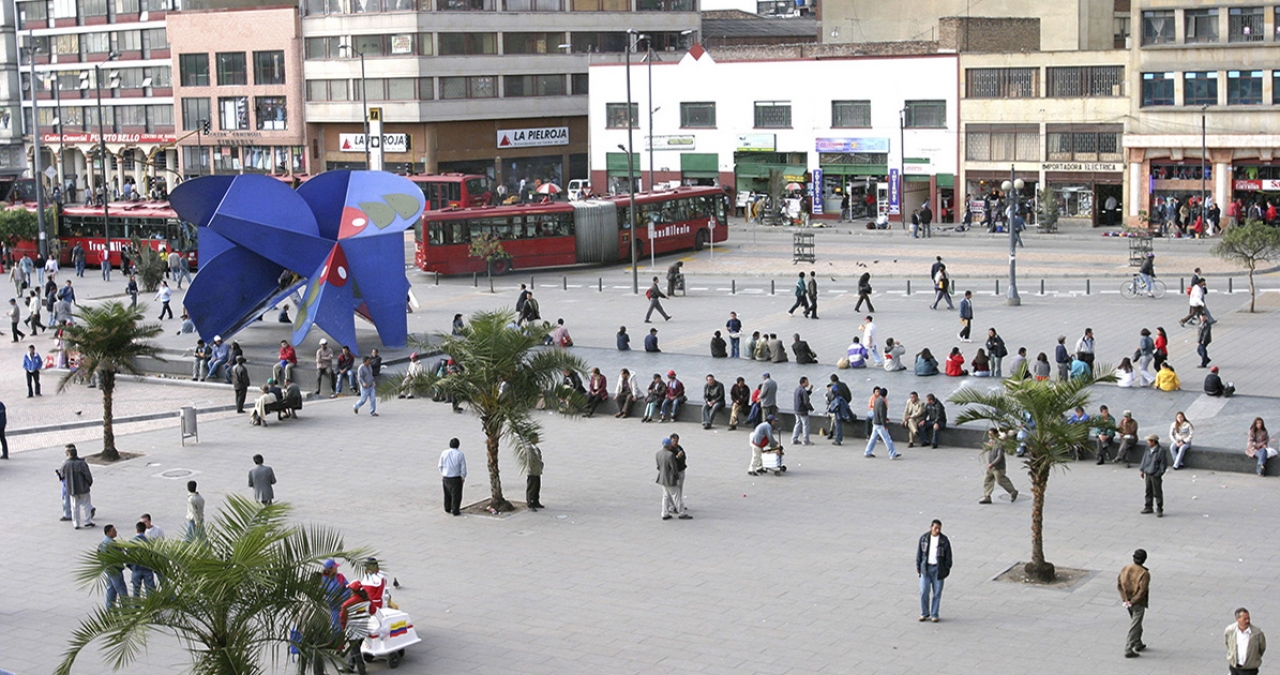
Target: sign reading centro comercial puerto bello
[
  {"x": 390, "y": 142},
  {"x": 533, "y": 137}
]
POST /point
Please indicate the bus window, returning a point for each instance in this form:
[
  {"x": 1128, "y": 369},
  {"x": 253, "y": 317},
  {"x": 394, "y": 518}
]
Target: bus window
[
  {"x": 454, "y": 191},
  {"x": 476, "y": 188},
  {"x": 564, "y": 224},
  {"x": 461, "y": 232},
  {"x": 115, "y": 229}
]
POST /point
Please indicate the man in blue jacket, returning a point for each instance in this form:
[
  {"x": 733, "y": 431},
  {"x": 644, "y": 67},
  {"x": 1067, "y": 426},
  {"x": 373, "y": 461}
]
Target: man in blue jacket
[{"x": 933, "y": 564}]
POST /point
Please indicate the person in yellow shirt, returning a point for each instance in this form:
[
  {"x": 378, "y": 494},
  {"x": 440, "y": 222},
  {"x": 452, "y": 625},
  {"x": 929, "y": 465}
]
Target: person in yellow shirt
[{"x": 1166, "y": 379}]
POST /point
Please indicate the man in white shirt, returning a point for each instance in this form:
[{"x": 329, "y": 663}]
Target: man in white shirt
[
  {"x": 154, "y": 531},
  {"x": 1245, "y": 645},
  {"x": 933, "y": 564},
  {"x": 868, "y": 329},
  {"x": 453, "y": 472}
]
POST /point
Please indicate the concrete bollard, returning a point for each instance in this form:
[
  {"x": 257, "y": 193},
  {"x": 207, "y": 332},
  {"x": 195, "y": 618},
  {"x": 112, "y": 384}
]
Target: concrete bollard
[
  {"x": 437, "y": 278},
  {"x": 733, "y": 287},
  {"x": 997, "y": 287},
  {"x": 475, "y": 279},
  {"x": 564, "y": 283},
  {"x": 600, "y": 283},
  {"x": 772, "y": 287},
  {"x": 1230, "y": 285},
  {"x": 908, "y": 287},
  {"x": 1086, "y": 287},
  {"x": 1042, "y": 287}
]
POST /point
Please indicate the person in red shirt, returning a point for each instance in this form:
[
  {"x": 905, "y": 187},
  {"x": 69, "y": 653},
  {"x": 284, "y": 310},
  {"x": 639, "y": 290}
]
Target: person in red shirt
[
  {"x": 354, "y": 622},
  {"x": 285, "y": 363}
]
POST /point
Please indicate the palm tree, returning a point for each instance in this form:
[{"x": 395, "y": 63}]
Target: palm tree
[
  {"x": 503, "y": 373},
  {"x": 110, "y": 338},
  {"x": 1049, "y": 444},
  {"x": 232, "y": 599}
]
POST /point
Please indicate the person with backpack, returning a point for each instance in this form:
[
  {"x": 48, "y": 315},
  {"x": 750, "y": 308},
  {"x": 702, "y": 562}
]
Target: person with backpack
[
  {"x": 655, "y": 296},
  {"x": 996, "y": 351}
]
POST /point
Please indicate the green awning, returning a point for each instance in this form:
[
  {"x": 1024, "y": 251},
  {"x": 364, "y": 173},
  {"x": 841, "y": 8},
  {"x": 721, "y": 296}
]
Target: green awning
[
  {"x": 946, "y": 180},
  {"x": 616, "y": 162},
  {"x": 912, "y": 178},
  {"x": 700, "y": 165},
  {"x": 790, "y": 172},
  {"x": 855, "y": 169}
]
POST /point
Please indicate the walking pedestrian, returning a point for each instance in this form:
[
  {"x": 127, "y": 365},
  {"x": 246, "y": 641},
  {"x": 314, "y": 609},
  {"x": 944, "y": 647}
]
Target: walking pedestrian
[
  {"x": 15, "y": 317},
  {"x": 1146, "y": 352},
  {"x": 942, "y": 287},
  {"x": 78, "y": 480},
  {"x": 34, "y": 310},
  {"x": 993, "y": 454},
  {"x": 864, "y": 293},
  {"x": 261, "y": 478},
  {"x": 113, "y": 574},
  {"x": 32, "y": 364},
  {"x": 453, "y": 473},
  {"x": 1203, "y": 338},
  {"x": 802, "y": 296},
  {"x": 195, "y": 514},
  {"x": 78, "y": 258},
  {"x": 811, "y": 290},
  {"x": 131, "y": 289},
  {"x": 966, "y": 316},
  {"x": 1134, "y": 583},
  {"x": 1154, "y": 463},
  {"x": 879, "y": 426},
  {"x": 933, "y": 564},
  {"x": 803, "y": 405},
  {"x": 682, "y": 463},
  {"x": 655, "y": 296},
  {"x": 368, "y": 392},
  {"x": 734, "y": 327},
  {"x": 669, "y": 478},
  {"x": 868, "y": 330},
  {"x": 163, "y": 296},
  {"x": 1245, "y": 645},
  {"x": 533, "y": 475},
  {"x": 104, "y": 262}
]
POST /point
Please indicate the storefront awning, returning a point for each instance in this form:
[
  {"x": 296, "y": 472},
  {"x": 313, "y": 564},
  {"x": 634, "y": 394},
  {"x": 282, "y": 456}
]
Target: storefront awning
[
  {"x": 616, "y": 162},
  {"x": 947, "y": 180},
  {"x": 699, "y": 165}
]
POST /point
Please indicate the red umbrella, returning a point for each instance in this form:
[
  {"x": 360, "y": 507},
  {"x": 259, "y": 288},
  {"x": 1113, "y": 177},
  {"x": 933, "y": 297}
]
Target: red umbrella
[{"x": 549, "y": 189}]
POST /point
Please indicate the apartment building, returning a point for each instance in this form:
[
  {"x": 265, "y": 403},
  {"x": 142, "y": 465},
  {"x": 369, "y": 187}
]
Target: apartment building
[
  {"x": 495, "y": 87},
  {"x": 13, "y": 161},
  {"x": 102, "y": 66}
]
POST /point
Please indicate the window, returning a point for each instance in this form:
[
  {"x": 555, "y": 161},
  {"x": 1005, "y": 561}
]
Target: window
[
  {"x": 1002, "y": 142},
  {"x": 268, "y": 67},
  {"x": 533, "y": 85},
  {"x": 129, "y": 41},
  {"x": 323, "y": 47},
  {"x": 157, "y": 6},
  {"x": 1084, "y": 81},
  {"x": 393, "y": 89},
  {"x": 193, "y": 70},
  {"x": 1244, "y": 87},
  {"x": 1201, "y": 25},
  {"x": 532, "y": 43},
  {"x": 161, "y": 76},
  {"x": 1275, "y": 87},
  {"x": 850, "y": 114},
  {"x": 464, "y": 5},
  {"x": 698, "y": 115},
  {"x": 365, "y": 6},
  {"x": 126, "y": 6},
  {"x": 773, "y": 115},
  {"x": 131, "y": 115},
  {"x": 466, "y": 44},
  {"x": 270, "y": 113},
  {"x": 926, "y": 114},
  {"x": 402, "y": 5},
  {"x": 533, "y": 5},
  {"x": 600, "y": 5},
  {"x": 1002, "y": 82},
  {"x": 426, "y": 88},
  {"x": 1082, "y": 144},
  {"x": 328, "y": 90},
  {"x": 155, "y": 39},
  {"x": 597, "y": 42},
  {"x": 482, "y": 86},
  {"x": 1157, "y": 89},
  {"x": 231, "y": 69},
  {"x": 1200, "y": 88},
  {"x": 195, "y": 160},
  {"x": 194, "y": 110},
  {"x": 233, "y": 113},
  {"x": 96, "y": 43},
  {"x": 322, "y": 7},
  {"x": 66, "y": 44},
  {"x": 1121, "y": 26},
  {"x": 32, "y": 12},
  {"x": 665, "y": 6},
  {"x": 1157, "y": 27},
  {"x": 93, "y": 7},
  {"x": 615, "y": 115},
  {"x": 578, "y": 84},
  {"x": 159, "y": 116},
  {"x": 1245, "y": 24}
]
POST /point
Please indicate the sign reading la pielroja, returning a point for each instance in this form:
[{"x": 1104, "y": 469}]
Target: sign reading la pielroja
[{"x": 533, "y": 137}]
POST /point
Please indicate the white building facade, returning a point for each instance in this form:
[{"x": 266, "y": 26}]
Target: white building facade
[{"x": 834, "y": 124}]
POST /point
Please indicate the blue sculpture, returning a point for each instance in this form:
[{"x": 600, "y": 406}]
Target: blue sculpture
[{"x": 341, "y": 234}]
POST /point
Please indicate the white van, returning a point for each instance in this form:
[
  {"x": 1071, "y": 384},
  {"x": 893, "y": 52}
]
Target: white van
[{"x": 579, "y": 188}]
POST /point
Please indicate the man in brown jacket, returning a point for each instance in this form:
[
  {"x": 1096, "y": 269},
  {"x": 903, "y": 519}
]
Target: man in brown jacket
[
  {"x": 1133, "y": 584},
  {"x": 1128, "y": 434}
]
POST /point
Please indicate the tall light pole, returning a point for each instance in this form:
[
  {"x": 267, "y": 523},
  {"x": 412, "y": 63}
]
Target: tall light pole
[
  {"x": 54, "y": 84},
  {"x": 43, "y": 241},
  {"x": 1204, "y": 207},
  {"x": 902, "y": 168},
  {"x": 631, "y": 170},
  {"x": 102, "y": 150},
  {"x": 1012, "y": 189},
  {"x": 364, "y": 103}
]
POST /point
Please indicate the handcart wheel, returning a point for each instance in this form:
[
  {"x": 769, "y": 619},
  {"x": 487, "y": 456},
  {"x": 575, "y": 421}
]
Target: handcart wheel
[
  {"x": 393, "y": 659},
  {"x": 784, "y": 469}
]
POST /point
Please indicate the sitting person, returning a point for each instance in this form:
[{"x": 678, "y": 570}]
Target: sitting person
[
  {"x": 292, "y": 399},
  {"x": 624, "y": 340},
  {"x": 413, "y": 373},
  {"x": 803, "y": 353},
  {"x": 1104, "y": 432},
  {"x": 1127, "y": 432},
  {"x": 926, "y": 365},
  {"x": 560, "y": 335},
  {"x": 777, "y": 352},
  {"x": 1213, "y": 383},
  {"x": 981, "y": 364},
  {"x": 752, "y": 343},
  {"x": 955, "y": 364},
  {"x": 1259, "y": 446},
  {"x": 893, "y": 352},
  {"x": 1019, "y": 369},
  {"x": 1079, "y": 368},
  {"x": 1180, "y": 434},
  {"x": 651, "y": 341},
  {"x": 283, "y": 316},
  {"x": 1040, "y": 367},
  {"x": 857, "y": 354},
  {"x": 1167, "y": 379},
  {"x": 935, "y": 420},
  {"x": 719, "y": 348},
  {"x": 1125, "y": 377},
  {"x": 761, "y": 351},
  {"x": 262, "y": 406}
]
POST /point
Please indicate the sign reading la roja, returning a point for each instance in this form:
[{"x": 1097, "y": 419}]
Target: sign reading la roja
[
  {"x": 110, "y": 138},
  {"x": 533, "y": 137}
]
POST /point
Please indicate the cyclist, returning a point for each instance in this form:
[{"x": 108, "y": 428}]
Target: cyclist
[{"x": 1148, "y": 272}]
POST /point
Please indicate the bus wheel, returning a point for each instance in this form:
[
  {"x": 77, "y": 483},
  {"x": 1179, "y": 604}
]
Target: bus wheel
[{"x": 700, "y": 240}]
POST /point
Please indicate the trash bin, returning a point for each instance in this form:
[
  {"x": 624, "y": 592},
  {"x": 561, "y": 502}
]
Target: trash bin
[{"x": 187, "y": 419}]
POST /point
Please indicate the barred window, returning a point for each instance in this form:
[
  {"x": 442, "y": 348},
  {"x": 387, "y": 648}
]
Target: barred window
[
  {"x": 926, "y": 114},
  {"x": 1001, "y": 82},
  {"x": 1086, "y": 81},
  {"x": 850, "y": 114},
  {"x": 700, "y": 115},
  {"x": 1246, "y": 24},
  {"x": 773, "y": 115},
  {"x": 1002, "y": 142}
]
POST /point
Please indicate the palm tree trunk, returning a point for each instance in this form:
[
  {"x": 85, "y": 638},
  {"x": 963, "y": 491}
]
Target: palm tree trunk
[
  {"x": 496, "y": 501},
  {"x": 1038, "y": 569},
  {"x": 107, "y": 383}
]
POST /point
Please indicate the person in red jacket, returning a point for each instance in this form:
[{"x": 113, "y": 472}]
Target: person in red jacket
[
  {"x": 354, "y": 620},
  {"x": 285, "y": 363}
]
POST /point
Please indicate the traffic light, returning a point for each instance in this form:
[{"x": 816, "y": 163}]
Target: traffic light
[{"x": 204, "y": 126}]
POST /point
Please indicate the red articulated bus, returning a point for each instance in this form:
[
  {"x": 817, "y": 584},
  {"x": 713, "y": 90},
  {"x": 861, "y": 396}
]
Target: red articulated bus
[
  {"x": 152, "y": 222},
  {"x": 453, "y": 190},
  {"x": 560, "y": 234}
]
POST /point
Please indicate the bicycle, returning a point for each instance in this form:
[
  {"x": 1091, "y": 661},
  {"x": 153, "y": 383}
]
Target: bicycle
[{"x": 1135, "y": 287}]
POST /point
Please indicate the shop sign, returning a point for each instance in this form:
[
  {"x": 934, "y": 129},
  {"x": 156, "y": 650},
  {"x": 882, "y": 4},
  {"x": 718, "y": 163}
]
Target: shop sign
[
  {"x": 895, "y": 188},
  {"x": 917, "y": 168},
  {"x": 390, "y": 142},
  {"x": 401, "y": 44},
  {"x": 815, "y": 192},
  {"x": 1257, "y": 185},
  {"x": 1096, "y": 167},
  {"x": 110, "y": 138},
  {"x": 757, "y": 142},
  {"x": 533, "y": 137},
  {"x": 852, "y": 144},
  {"x": 685, "y": 143}
]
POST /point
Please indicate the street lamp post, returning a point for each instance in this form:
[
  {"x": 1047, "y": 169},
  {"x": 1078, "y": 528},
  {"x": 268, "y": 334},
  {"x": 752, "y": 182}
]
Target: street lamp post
[
  {"x": 43, "y": 240},
  {"x": 1012, "y": 188},
  {"x": 54, "y": 84},
  {"x": 631, "y": 170},
  {"x": 1204, "y": 207},
  {"x": 364, "y": 103},
  {"x": 102, "y": 147}
]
